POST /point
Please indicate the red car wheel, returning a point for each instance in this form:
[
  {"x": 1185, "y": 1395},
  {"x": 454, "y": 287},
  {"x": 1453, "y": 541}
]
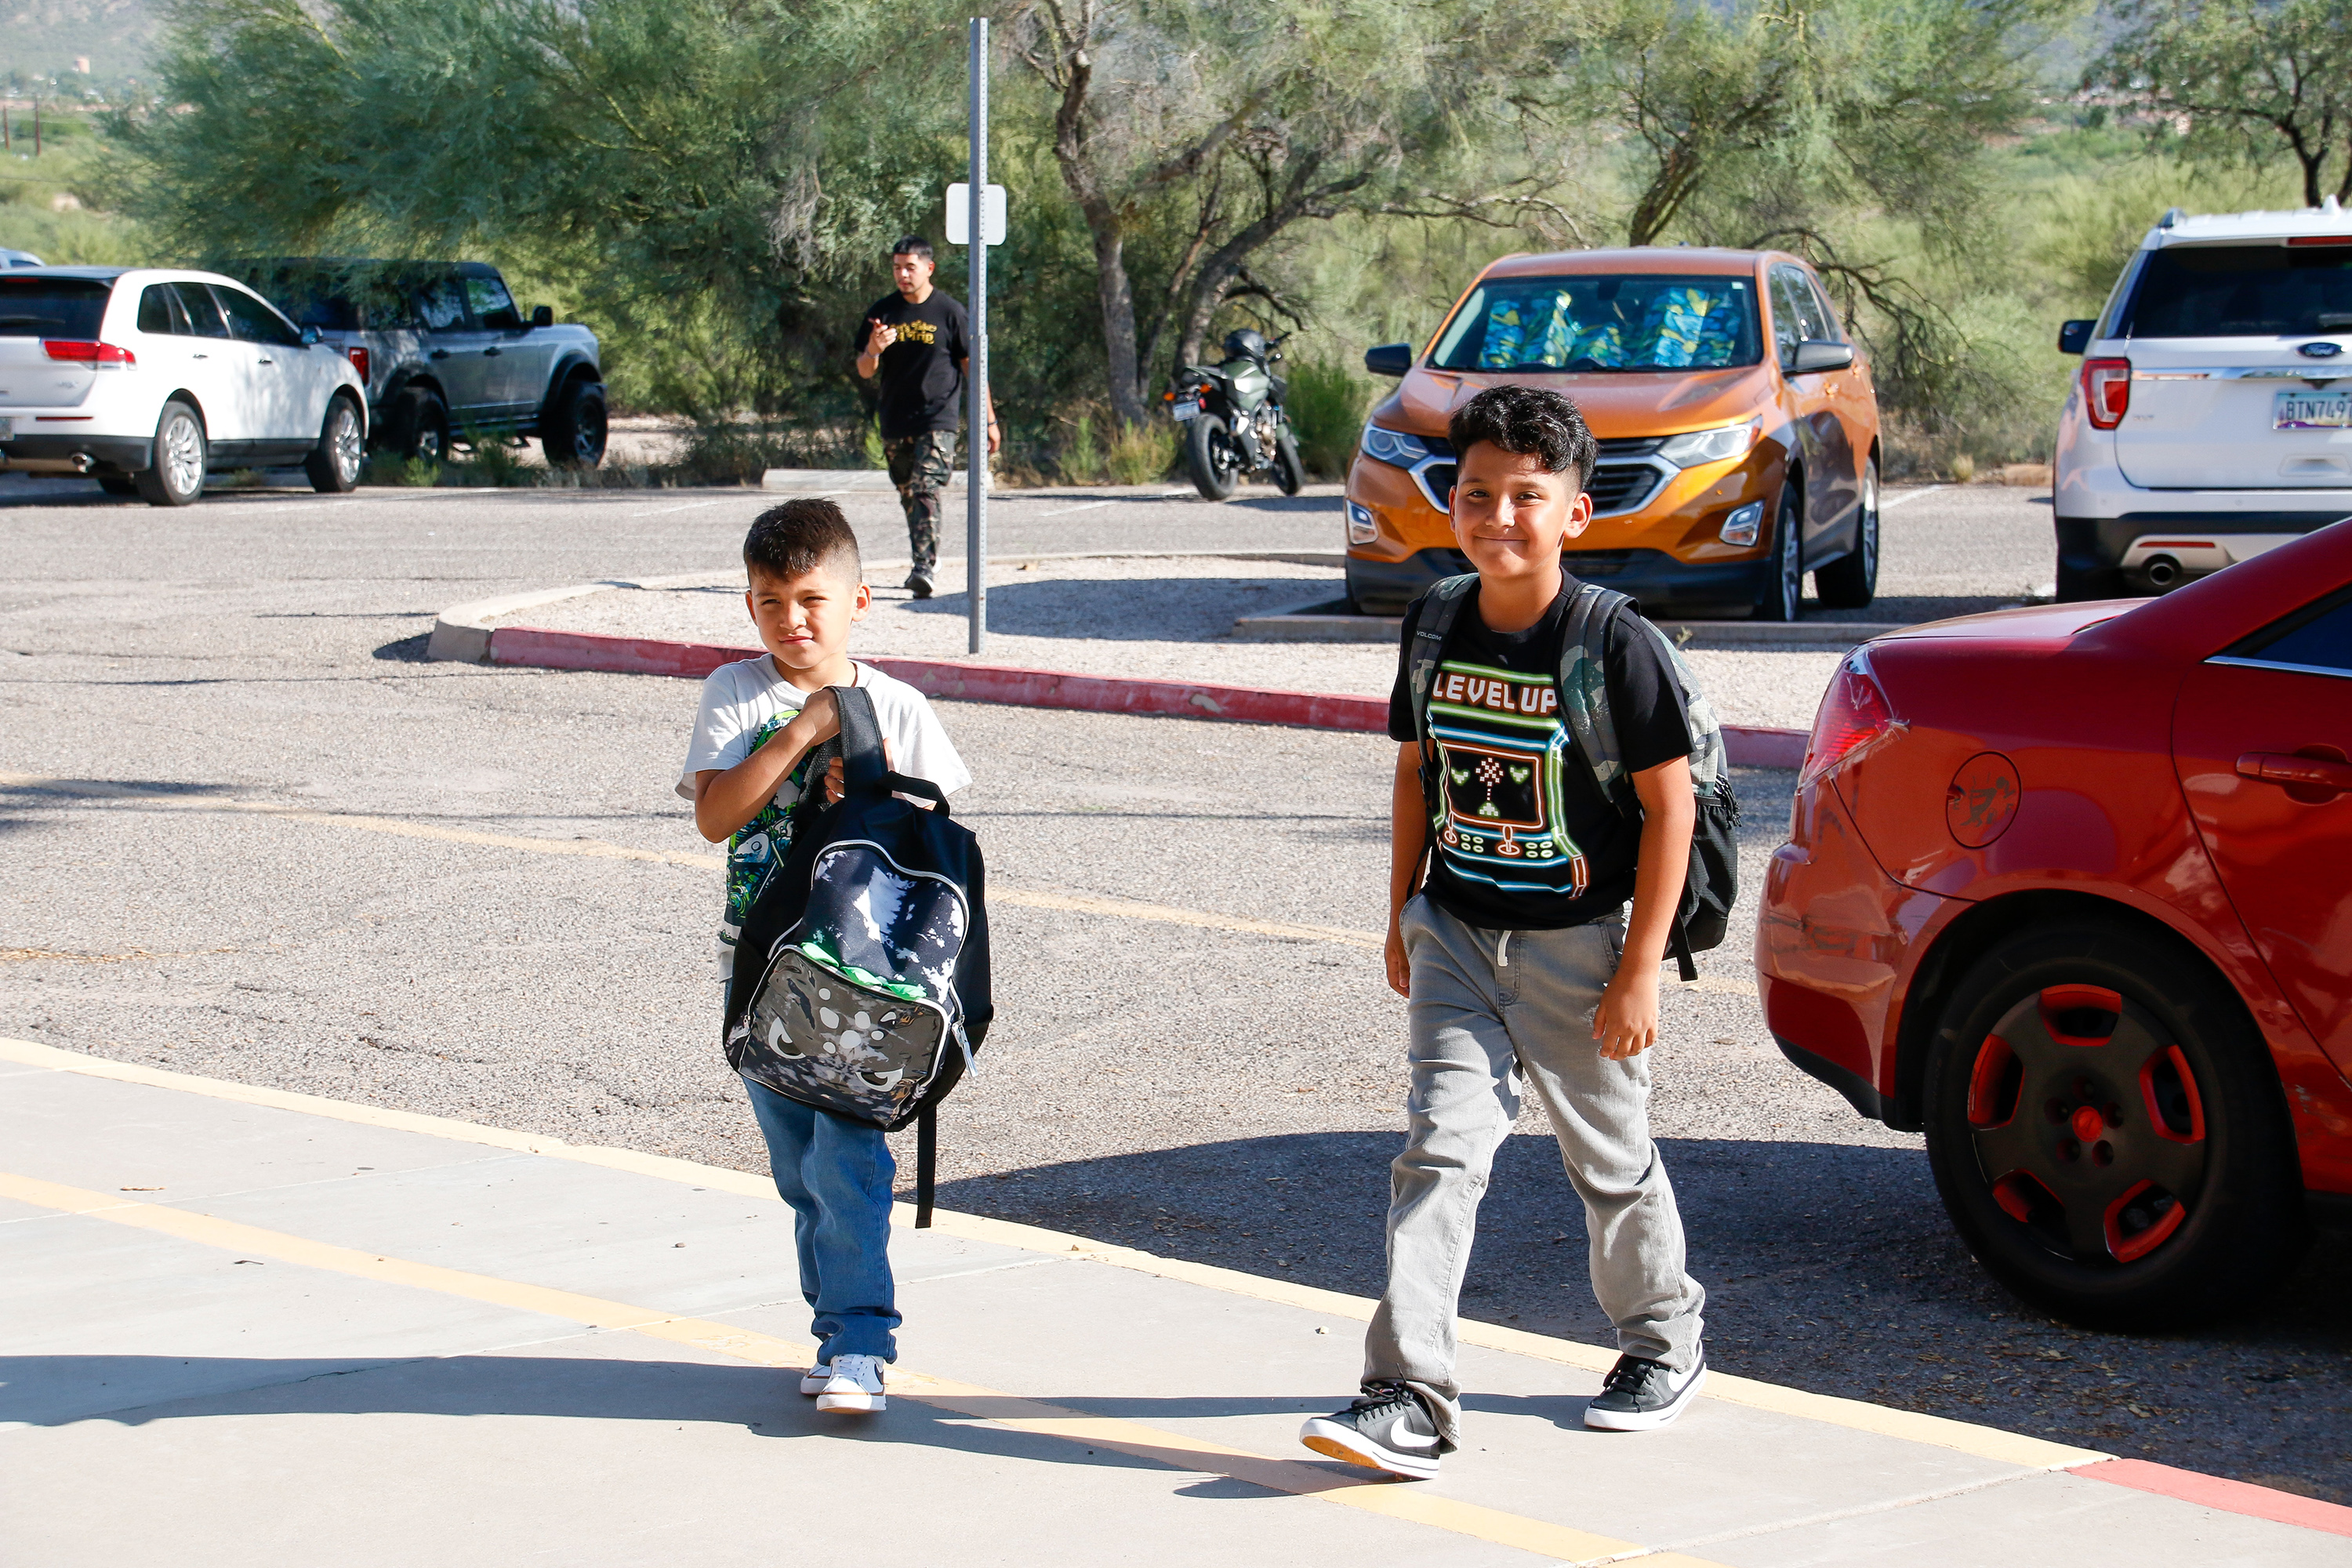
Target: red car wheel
[{"x": 2107, "y": 1132}]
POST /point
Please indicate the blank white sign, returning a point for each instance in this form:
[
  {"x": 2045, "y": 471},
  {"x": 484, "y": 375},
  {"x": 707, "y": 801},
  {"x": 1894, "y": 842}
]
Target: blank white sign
[{"x": 992, "y": 214}]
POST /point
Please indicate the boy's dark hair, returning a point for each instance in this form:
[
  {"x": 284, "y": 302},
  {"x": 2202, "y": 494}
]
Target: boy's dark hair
[
  {"x": 800, "y": 536},
  {"x": 1527, "y": 421},
  {"x": 913, "y": 244}
]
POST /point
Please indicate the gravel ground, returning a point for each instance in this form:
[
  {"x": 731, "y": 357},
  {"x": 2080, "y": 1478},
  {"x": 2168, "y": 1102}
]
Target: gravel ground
[{"x": 1203, "y": 1093}]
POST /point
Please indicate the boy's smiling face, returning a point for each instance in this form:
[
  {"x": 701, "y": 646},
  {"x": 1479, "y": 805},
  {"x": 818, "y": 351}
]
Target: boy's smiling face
[
  {"x": 804, "y": 621},
  {"x": 1511, "y": 514}
]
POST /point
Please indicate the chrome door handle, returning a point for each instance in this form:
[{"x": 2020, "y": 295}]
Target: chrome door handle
[
  {"x": 269, "y": 362},
  {"x": 492, "y": 353}
]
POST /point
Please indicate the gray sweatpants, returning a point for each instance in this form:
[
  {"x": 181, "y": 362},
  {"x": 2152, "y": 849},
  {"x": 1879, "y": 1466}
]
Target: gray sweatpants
[{"x": 1487, "y": 1008}]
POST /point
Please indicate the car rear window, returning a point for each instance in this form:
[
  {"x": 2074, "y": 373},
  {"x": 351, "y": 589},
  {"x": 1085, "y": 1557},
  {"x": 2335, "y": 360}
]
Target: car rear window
[
  {"x": 2241, "y": 290},
  {"x": 1603, "y": 322},
  {"x": 52, "y": 307},
  {"x": 2318, "y": 637}
]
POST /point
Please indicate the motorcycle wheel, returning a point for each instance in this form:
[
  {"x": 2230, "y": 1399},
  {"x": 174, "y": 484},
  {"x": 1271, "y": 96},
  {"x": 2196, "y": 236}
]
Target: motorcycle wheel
[
  {"x": 1205, "y": 439},
  {"x": 1289, "y": 473}
]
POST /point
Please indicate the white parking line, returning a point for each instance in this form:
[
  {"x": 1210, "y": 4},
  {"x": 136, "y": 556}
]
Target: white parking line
[
  {"x": 689, "y": 506},
  {"x": 1066, "y": 511},
  {"x": 1887, "y": 502}
]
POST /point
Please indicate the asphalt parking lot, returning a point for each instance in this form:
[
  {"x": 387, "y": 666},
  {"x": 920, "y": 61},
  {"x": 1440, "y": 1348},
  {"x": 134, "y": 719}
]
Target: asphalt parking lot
[{"x": 237, "y": 805}]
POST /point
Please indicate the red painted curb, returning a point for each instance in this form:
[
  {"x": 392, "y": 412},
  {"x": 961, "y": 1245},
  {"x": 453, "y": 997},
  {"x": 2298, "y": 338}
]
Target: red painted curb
[
  {"x": 2219, "y": 1492},
  {"x": 974, "y": 683}
]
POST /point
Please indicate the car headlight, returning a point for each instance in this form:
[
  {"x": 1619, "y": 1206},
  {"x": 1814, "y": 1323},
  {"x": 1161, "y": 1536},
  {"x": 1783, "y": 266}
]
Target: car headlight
[
  {"x": 1393, "y": 445},
  {"x": 1362, "y": 529},
  {"x": 1742, "y": 526},
  {"x": 1688, "y": 451}
]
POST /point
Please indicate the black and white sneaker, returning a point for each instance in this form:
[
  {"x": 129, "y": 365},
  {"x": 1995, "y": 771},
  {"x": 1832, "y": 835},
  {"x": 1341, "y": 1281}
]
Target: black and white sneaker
[
  {"x": 1639, "y": 1394},
  {"x": 918, "y": 583},
  {"x": 1388, "y": 1428}
]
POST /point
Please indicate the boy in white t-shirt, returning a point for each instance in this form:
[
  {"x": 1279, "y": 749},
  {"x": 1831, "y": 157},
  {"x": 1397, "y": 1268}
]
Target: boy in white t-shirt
[{"x": 746, "y": 771}]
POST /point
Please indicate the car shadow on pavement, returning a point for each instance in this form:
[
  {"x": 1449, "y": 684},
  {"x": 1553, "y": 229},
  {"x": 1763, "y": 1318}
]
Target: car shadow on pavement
[{"x": 1829, "y": 1266}]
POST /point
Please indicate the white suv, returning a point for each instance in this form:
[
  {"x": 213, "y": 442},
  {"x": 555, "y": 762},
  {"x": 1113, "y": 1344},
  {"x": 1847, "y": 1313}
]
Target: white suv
[
  {"x": 2213, "y": 418},
  {"x": 147, "y": 380}
]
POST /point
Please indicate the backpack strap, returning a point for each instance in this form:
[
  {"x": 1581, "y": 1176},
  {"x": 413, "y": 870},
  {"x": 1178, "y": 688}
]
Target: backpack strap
[
  {"x": 927, "y": 1162},
  {"x": 1585, "y": 703},
  {"x": 1440, "y": 608},
  {"x": 1584, "y": 692},
  {"x": 865, "y": 765}
]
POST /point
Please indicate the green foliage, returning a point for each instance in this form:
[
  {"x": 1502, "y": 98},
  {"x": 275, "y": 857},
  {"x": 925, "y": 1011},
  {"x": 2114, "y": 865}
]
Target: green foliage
[
  {"x": 1082, "y": 459},
  {"x": 2268, "y": 81},
  {"x": 1325, "y": 406},
  {"x": 1141, "y": 453}
]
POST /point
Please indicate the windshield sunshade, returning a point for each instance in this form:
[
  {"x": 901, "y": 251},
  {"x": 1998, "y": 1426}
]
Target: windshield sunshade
[
  {"x": 2241, "y": 290},
  {"x": 52, "y": 307},
  {"x": 1602, "y": 324}
]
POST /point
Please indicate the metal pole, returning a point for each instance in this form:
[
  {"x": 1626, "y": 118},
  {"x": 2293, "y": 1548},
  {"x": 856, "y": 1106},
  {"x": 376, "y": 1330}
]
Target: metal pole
[{"x": 976, "y": 482}]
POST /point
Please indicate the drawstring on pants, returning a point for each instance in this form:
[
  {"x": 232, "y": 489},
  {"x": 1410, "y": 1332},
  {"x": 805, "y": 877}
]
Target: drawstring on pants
[{"x": 1502, "y": 951}]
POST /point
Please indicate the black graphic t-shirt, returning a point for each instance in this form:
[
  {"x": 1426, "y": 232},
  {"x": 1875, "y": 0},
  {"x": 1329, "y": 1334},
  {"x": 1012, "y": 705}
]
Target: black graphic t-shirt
[
  {"x": 1528, "y": 842},
  {"x": 922, "y": 389}
]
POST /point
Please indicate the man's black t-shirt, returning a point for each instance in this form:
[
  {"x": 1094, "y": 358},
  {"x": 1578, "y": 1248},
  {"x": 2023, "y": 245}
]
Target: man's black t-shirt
[
  {"x": 1528, "y": 842},
  {"x": 920, "y": 384}
]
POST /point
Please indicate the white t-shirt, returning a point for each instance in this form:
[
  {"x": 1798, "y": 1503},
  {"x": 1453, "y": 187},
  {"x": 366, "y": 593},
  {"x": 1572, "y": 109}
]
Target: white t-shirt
[{"x": 742, "y": 705}]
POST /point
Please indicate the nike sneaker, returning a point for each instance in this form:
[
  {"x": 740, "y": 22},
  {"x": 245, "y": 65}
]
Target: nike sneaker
[
  {"x": 1639, "y": 1394},
  {"x": 1388, "y": 1429},
  {"x": 814, "y": 1380}
]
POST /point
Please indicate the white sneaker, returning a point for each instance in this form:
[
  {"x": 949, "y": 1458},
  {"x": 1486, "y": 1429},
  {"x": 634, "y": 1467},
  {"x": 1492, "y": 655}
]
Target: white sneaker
[
  {"x": 854, "y": 1387},
  {"x": 814, "y": 1380}
]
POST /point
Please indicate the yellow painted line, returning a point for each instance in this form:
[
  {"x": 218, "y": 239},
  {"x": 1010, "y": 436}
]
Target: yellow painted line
[
  {"x": 1175, "y": 1450},
  {"x": 598, "y": 849},
  {"x": 1935, "y": 1431}
]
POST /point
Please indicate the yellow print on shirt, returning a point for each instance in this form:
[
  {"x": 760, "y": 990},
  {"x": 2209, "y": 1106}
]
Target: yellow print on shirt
[{"x": 918, "y": 332}]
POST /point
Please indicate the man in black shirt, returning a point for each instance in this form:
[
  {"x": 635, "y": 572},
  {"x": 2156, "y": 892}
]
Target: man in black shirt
[
  {"x": 919, "y": 343},
  {"x": 1516, "y": 954}
]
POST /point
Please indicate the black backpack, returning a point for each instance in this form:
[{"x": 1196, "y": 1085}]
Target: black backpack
[
  {"x": 1713, "y": 881},
  {"x": 861, "y": 974}
]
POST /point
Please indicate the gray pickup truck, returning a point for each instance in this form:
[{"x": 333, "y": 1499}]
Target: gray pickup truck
[{"x": 447, "y": 355}]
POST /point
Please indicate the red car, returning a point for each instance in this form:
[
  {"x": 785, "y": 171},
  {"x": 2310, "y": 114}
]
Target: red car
[{"x": 2070, "y": 890}]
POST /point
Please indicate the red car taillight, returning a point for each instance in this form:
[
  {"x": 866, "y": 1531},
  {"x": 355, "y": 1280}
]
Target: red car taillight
[
  {"x": 1853, "y": 712},
  {"x": 358, "y": 357},
  {"x": 2106, "y": 391},
  {"x": 101, "y": 356}
]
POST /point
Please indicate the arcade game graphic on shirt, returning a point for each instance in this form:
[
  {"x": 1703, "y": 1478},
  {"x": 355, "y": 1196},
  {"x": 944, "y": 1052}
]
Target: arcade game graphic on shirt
[{"x": 1501, "y": 746}]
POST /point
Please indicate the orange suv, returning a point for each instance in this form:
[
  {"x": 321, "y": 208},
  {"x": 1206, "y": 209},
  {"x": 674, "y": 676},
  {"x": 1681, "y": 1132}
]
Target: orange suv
[{"x": 1738, "y": 431}]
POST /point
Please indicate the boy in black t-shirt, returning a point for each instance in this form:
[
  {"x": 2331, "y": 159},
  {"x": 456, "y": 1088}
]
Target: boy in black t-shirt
[
  {"x": 1516, "y": 954},
  {"x": 918, "y": 341}
]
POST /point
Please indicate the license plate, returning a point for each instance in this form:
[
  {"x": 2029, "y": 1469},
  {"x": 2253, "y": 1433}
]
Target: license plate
[
  {"x": 1188, "y": 410},
  {"x": 2311, "y": 411}
]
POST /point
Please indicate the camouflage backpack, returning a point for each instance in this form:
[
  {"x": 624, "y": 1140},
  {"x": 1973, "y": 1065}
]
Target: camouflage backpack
[
  {"x": 1713, "y": 881},
  {"x": 861, "y": 981}
]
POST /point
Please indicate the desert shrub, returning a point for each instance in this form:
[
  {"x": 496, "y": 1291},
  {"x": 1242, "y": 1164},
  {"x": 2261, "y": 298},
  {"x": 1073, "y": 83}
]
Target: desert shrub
[
  {"x": 1141, "y": 453},
  {"x": 1081, "y": 460},
  {"x": 1327, "y": 405}
]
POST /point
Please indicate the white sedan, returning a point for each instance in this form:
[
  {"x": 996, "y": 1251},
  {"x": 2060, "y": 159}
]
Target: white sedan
[{"x": 146, "y": 379}]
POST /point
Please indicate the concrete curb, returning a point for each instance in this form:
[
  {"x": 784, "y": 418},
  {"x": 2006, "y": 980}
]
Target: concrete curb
[
  {"x": 540, "y": 648},
  {"x": 835, "y": 482}
]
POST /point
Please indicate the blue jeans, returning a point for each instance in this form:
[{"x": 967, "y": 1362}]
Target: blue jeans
[{"x": 836, "y": 1175}]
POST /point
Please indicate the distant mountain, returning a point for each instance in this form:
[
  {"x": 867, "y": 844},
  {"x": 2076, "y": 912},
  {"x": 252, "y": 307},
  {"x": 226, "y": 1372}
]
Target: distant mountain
[{"x": 46, "y": 37}]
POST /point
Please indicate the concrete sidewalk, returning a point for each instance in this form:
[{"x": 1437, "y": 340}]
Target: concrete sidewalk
[{"x": 243, "y": 1326}]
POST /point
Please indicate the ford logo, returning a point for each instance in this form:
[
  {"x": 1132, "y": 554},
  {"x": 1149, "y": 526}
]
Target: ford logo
[{"x": 2319, "y": 351}]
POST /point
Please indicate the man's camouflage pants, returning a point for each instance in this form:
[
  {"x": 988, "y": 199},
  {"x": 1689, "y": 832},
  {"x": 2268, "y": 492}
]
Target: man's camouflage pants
[{"x": 919, "y": 466}]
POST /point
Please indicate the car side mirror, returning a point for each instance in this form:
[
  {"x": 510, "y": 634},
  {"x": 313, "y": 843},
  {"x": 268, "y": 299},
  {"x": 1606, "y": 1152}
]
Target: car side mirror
[
  {"x": 1815, "y": 354},
  {"x": 542, "y": 315},
  {"x": 310, "y": 336},
  {"x": 2074, "y": 337},
  {"x": 1389, "y": 359}
]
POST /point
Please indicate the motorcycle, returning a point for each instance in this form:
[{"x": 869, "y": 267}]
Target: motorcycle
[{"x": 1234, "y": 423}]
